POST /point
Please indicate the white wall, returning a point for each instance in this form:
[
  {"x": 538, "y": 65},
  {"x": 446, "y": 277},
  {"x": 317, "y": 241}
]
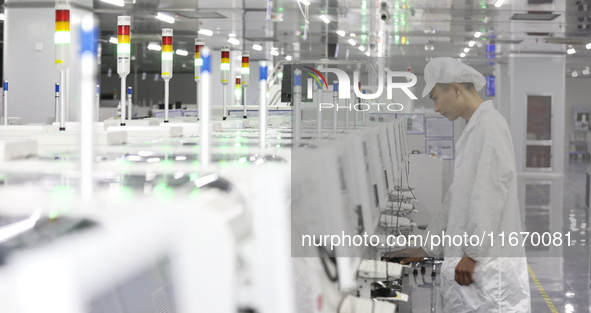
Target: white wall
[
  {"x": 31, "y": 73},
  {"x": 577, "y": 94},
  {"x": 528, "y": 77}
]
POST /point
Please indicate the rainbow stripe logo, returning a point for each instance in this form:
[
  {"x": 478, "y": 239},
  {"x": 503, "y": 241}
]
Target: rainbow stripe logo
[{"x": 317, "y": 76}]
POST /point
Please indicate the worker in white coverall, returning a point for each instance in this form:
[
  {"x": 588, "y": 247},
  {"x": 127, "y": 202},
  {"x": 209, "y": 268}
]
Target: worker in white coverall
[{"x": 480, "y": 275}]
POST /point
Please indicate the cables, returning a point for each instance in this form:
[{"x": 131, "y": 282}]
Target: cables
[{"x": 332, "y": 278}]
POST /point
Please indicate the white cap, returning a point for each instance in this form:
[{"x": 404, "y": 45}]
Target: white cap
[{"x": 450, "y": 70}]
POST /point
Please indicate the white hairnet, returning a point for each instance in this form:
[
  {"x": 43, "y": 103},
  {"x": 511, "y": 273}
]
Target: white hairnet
[{"x": 449, "y": 70}]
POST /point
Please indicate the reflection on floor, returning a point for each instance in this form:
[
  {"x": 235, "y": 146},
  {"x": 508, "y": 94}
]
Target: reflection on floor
[{"x": 563, "y": 282}]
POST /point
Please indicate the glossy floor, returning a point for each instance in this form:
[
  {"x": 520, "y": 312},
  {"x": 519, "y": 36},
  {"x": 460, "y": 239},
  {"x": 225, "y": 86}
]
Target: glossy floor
[{"x": 563, "y": 282}]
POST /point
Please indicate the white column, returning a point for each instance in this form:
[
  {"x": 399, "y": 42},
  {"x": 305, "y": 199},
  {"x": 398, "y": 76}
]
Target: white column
[{"x": 29, "y": 48}]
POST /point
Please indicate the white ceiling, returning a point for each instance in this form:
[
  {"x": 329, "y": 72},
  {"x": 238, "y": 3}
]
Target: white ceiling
[{"x": 445, "y": 25}]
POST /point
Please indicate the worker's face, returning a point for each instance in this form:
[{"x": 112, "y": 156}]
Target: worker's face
[{"x": 446, "y": 101}]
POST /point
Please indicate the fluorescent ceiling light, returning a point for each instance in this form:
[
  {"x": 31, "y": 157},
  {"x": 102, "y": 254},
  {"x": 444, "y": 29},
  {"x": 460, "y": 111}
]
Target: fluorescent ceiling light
[
  {"x": 471, "y": 43},
  {"x": 466, "y": 50},
  {"x": 586, "y": 71},
  {"x": 154, "y": 46},
  {"x": 325, "y": 18},
  {"x": 341, "y": 33},
  {"x": 182, "y": 52},
  {"x": 571, "y": 51},
  {"x": 2, "y": 17},
  {"x": 257, "y": 47},
  {"x": 534, "y": 16},
  {"x": 462, "y": 55},
  {"x": 205, "y": 32},
  {"x": 288, "y": 57},
  {"x": 588, "y": 46},
  {"x": 352, "y": 42},
  {"x": 575, "y": 74},
  {"x": 274, "y": 52},
  {"x": 234, "y": 41},
  {"x": 165, "y": 18},
  {"x": 499, "y": 3},
  {"x": 113, "y": 40},
  {"x": 368, "y": 53},
  {"x": 361, "y": 48},
  {"x": 118, "y": 3},
  {"x": 477, "y": 34},
  {"x": 304, "y": 2},
  {"x": 353, "y": 35}
]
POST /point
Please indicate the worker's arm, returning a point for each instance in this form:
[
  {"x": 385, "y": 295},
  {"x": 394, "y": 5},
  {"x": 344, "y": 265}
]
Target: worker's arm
[
  {"x": 410, "y": 255},
  {"x": 465, "y": 271}
]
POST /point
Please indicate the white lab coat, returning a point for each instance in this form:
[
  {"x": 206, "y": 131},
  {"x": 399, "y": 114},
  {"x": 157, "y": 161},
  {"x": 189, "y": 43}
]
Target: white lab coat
[{"x": 483, "y": 199}]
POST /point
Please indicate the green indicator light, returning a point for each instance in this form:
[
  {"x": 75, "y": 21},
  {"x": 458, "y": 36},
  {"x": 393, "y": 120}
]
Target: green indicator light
[
  {"x": 164, "y": 192},
  {"x": 166, "y": 163},
  {"x": 166, "y": 56},
  {"x": 199, "y": 62},
  {"x": 225, "y": 67},
  {"x": 280, "y": 10},
  {"x": 62, "y": 193},
  {"x": 363, "y": 29},
  {"x": 193, "y": 176},
  {"x": 277, "y": 146},
  {"x": 242, "y": 160},
  {"x": 53, "y": 214},
  {"x": 194, "y": 193},
  {"x": 223, "y": 163},
  {"x": 123, "y": 48},
  {"x": 237, "y": 144},
  {"x": 125, "y": 193},
  {"x": 62, "y": 37},
  {"x": 280, "y": 75},
  {"x": 196, "y": 163}
]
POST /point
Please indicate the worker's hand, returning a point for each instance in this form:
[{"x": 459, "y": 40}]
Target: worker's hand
[
  {"x": 410, "y": 255},
  {"x": 465, "y": 271}
]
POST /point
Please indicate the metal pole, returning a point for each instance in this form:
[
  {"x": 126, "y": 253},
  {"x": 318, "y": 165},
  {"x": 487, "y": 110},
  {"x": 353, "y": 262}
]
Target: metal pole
[
  {"x": 297, "y": 94},
  {"x": 57, "y": 102},
  {"x": 263, "y": 104},
  {"x": 335, "y": 101},
  {"x": 123, "y": 100},
  {"x": 62, "y": 100},
  {"x": 166, "y": 90},
  {"x": 5, "y": 103},
  {"x": 205, "y": 110}
]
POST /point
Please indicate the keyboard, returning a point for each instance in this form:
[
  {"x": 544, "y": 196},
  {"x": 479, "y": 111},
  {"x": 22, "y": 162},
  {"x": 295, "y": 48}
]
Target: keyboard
[
  {"x": 393, "y": 207},
  {"x": 379, "y": 270},
  {"x": 358, "y": 305},
  {"x": 390, "y": 221}
]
